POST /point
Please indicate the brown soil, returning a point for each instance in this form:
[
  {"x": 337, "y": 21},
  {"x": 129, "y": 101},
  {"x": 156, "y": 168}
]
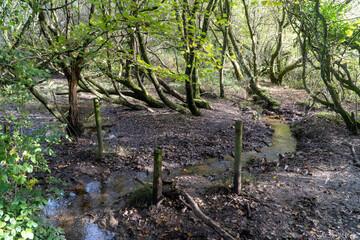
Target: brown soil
[{"x": 313, "y": 193}]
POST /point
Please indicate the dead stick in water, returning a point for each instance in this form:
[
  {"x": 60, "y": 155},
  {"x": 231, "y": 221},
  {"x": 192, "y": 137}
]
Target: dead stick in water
[
  {"x": 214, "y": 225},
  {"x": 139, "y": 181}
]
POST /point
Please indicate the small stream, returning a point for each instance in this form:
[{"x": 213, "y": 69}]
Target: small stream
[{"x": 75, "y": 213}]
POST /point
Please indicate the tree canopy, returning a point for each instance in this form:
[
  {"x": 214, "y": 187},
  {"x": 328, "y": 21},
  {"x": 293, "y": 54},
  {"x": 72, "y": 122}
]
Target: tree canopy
[{"x": 134, "y": 52}]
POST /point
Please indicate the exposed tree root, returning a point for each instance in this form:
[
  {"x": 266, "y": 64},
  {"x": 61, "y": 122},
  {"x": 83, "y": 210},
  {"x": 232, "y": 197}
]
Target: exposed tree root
[{"x": 353, "y": 154}]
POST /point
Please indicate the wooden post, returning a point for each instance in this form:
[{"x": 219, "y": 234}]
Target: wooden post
[
  {"x": 157, "y": 181},
  {"x": 237, "y": 160},
  {"x": 98, "y": 127}
]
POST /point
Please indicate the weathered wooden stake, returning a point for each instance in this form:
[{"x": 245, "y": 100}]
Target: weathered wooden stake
[
  {"x": 237, "y": 160},
  {"x": 98, "y": 127},
  {"x": 157, "y": 181}
]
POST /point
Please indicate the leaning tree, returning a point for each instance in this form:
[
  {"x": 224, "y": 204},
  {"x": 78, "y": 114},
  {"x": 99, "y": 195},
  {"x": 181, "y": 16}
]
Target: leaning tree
[{"x": 330, "y": 42}]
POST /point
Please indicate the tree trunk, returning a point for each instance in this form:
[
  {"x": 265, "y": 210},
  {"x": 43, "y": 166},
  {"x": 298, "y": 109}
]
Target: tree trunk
[
  {"x": 273, "y": 78},
  {"x": 271, "y": 103},
  {"x": 196, "y": 83},
  {"x": 154, "y": 80},
  {"x": 74, "y": 127},
  {"x": 189, "y": 88}
]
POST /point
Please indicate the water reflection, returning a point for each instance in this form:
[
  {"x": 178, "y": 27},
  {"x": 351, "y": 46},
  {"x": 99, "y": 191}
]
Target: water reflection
[
  {"x": 282, "y": 142},
  {"x": 69, "y": 213}
]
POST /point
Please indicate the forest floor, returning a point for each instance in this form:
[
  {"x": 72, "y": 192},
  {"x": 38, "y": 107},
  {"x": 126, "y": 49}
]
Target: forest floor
[{"x": 312, "y": 193}]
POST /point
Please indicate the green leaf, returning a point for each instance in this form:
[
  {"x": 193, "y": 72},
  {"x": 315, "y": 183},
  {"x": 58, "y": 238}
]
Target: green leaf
[
  {"x": 23, "y": 206},
  {"x": 32, "y": 224},
  {"x": 15, "y": 169},
  {"x": 357, "y": 42},
  {"x": 27, "y": 234},
  {"x": 13, "y": 221},
  {"x": 349, "y": 33},
  {"x": 22, "y": 179},
  {"x": 2, "y": 224},
  {"x": 341, "y": 41},
  {"x": 14, "y": 202},
  {"x": 44, "y": 201},
  {"x": 4, "y": 178}
]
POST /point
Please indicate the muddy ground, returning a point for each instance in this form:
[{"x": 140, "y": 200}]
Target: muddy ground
[{"x": 313, "y": 193}]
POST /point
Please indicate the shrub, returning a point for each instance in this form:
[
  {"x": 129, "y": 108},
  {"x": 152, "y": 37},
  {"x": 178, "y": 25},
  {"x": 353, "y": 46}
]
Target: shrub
[{"x": 21, "y": 159}]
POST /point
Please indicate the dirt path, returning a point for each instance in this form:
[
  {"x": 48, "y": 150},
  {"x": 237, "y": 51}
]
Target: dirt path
[{"x": 311, "y": 194}]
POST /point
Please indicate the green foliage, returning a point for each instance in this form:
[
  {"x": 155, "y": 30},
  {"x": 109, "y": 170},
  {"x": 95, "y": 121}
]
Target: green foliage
[
  {"x": 21, "y": 161},
  {"x": 47, "y": 232},
  {"x": 329, "y": 42},
  {"x": 19, "y": 71}
]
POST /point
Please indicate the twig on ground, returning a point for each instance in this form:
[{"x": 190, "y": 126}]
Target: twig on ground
[{"x": 214, "y": 225}]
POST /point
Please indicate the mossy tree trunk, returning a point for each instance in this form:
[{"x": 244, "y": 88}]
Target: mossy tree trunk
[
  {"x": 255, "y": 89},
  {"x": 193, "y": 37},
  {"x": 225, "y": 13},
  {"x": 251, "y": 74},
  {"x": 319, "y": 44},
  {"x": 276, "y": 77},
  {"x": 154, "y": 80}
]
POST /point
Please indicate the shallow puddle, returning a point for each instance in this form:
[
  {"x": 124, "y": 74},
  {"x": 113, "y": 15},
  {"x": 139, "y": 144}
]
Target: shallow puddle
[
  {"x": 71, "y": 214},
  {"x": 282, "y": 142},
  {"x": 75, "y": 213}
]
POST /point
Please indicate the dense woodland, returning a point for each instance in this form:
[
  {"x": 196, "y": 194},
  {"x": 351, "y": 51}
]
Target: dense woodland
[{"x": 180, "y": 57}]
